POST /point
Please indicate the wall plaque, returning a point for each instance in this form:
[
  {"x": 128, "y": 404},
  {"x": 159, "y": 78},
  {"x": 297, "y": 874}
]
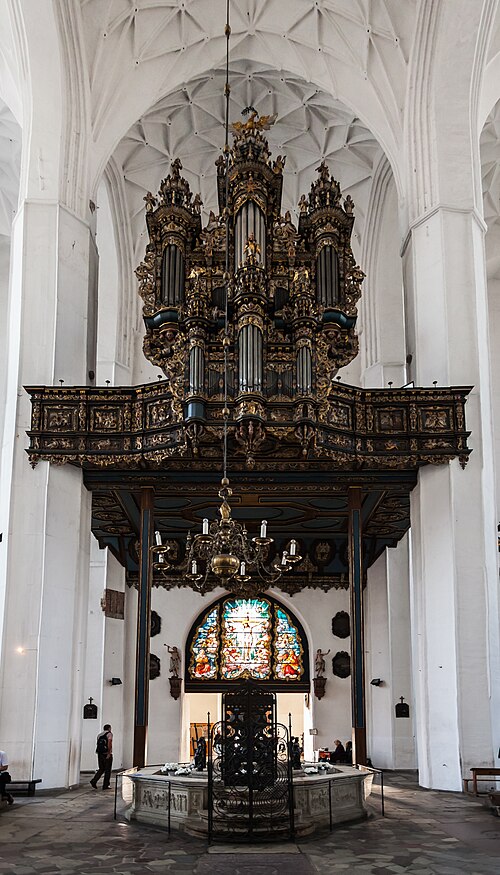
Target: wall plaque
[
  {"x": 154, "y": 667},
  {"x": 341, "y": 664},
  {"x": 341, "y": 624},
  {"x": 402, "y": 708},
  {"x": 155, "y": 624},
  {"x": 113, "y": 604}
]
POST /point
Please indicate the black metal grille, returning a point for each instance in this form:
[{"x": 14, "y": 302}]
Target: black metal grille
[{"x": 249, "y": 769}]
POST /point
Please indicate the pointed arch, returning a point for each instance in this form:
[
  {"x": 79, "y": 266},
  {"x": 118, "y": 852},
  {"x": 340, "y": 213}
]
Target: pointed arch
[{"x": 239, "y": 638}]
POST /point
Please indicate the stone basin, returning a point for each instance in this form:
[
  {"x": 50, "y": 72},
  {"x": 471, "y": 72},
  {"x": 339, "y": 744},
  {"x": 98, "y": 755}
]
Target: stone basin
[{"x": 339, "y": 794}]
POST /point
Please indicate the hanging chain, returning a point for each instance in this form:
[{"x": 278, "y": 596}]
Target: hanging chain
[{"x": 227, "y": 92}]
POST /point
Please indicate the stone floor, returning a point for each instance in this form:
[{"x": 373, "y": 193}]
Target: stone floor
[{"x": 423, "y": 832}]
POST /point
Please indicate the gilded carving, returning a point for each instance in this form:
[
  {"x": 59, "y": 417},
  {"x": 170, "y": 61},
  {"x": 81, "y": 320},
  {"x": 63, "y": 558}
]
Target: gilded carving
[
  {"x": 105, "y": 419},
  {"x": 435, "y": 419},
  {"x": 57, "y": 418}
]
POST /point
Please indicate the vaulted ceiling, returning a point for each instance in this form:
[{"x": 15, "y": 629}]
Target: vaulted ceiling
[
  {"x": 321, "y": 39},
  {"x": 189, "y": 123}
]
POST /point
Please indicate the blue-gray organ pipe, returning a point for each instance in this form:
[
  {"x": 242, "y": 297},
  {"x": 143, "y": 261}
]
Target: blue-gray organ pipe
[
  {"x": 173, "y": 276},
  {"x": 196, "y": 369},
  {"x": 250, "y": 366},
  {"x": 304, "y": 371},
  {"x": 327, "y": 277}
]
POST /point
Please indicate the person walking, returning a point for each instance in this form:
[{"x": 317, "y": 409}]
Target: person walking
[
  {"x": 104, "y": 751},
  {"x": 5, "y": 778}
]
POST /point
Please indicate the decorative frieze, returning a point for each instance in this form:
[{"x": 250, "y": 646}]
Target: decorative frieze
[{"x": 138, "y": 427}]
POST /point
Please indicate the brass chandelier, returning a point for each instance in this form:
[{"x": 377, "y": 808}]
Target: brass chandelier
[{"x": 225, "y": 547}]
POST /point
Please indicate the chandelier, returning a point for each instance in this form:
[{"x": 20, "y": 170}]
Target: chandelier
[{"x": 224, "y": 547}]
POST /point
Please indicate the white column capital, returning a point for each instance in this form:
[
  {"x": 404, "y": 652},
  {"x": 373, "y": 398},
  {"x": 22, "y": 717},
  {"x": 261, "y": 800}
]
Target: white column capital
[{"x": 428, "y": 215}]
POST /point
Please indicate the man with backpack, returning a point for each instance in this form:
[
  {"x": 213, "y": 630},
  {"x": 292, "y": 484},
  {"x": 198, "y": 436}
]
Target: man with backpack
[{"x": 104, "y": 751}]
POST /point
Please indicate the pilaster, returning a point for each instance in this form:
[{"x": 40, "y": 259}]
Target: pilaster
[
  {"x": 455, "y": 617},
  {"x": 45, "y": 513},
  {"x": 388, "y": 658}
]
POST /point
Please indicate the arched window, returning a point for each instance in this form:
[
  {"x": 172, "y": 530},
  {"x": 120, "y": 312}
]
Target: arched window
[{"x": 253, "y": 639}]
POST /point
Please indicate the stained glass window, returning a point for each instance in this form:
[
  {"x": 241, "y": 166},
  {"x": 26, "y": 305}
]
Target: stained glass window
[
  {"x": 205, "y": 648},
  {"x": 247, "y": 638},
  {"x": 287, "y": 648}
]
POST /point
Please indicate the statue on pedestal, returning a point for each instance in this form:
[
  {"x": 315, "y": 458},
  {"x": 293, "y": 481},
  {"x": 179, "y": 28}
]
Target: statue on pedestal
[{"x": 319, "y": 662}]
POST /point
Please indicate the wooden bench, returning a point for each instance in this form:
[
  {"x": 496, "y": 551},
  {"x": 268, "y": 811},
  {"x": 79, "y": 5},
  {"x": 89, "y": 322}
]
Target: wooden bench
[
  {"x": 485, "y": 773},
  {"x": 28, "y": 786}
]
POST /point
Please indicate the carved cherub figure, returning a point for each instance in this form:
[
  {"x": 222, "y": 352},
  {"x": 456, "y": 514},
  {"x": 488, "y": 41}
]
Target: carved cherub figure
[
  {"x": 319, "y": 662},
  {"x": 349, "y": 205},
  {"x": 279, "y": 164},
  {"x": 303, "y": 205},
  {"x": 323, "y": 171},
  {"x": 176, "y": 167},
  {"x": 150, "y": 202}
]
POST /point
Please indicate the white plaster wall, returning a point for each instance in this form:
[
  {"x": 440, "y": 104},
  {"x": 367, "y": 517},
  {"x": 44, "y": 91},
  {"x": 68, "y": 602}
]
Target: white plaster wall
[
  {"x": 494, "y": 320},
  {"x": 4, "y": 333},
  {"x": 94, "y": 669},
  {"x": 105, "y": 658},
  {"x": 114, "y": 664},
  {"x": 109, "y": 367},
  {"x": 178, "y": 608},
  {"x": 4, "y": 322},
  {"x": 390, "y": 740},
  {"x": 378, "y": 665},
  {"x": 130, "y": 632},
  {"x": 382, "y": 338}
]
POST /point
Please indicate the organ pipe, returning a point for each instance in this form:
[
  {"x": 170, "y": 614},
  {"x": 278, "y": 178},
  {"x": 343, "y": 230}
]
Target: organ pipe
[
  {"x": 173, "y": 276},
  {"x": 196, "y": 369},
  {"x": 327, "y": 277},
  {"x": 304, "y": 371},
  {"x": 250, "y": 367}
]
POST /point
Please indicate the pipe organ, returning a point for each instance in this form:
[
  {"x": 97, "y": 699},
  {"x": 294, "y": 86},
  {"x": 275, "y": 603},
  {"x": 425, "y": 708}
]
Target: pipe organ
[
  {"x": 173, "y": 276},
  {"x": 291, "y": 294}
]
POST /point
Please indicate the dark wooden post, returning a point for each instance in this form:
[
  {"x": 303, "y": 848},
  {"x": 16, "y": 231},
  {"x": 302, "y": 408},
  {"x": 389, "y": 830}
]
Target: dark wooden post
[
  {"x": 143, "y": 629},
  {"x": 357, "y": 632}
]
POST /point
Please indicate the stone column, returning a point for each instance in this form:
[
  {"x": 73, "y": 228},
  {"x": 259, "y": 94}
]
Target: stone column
[
  {"x": 455, "y": 609},
  {"x": 45, "y": 513}
]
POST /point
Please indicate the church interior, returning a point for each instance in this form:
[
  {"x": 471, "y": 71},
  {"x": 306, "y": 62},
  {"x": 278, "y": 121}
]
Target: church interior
[{"x": 250, "y": 386}]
